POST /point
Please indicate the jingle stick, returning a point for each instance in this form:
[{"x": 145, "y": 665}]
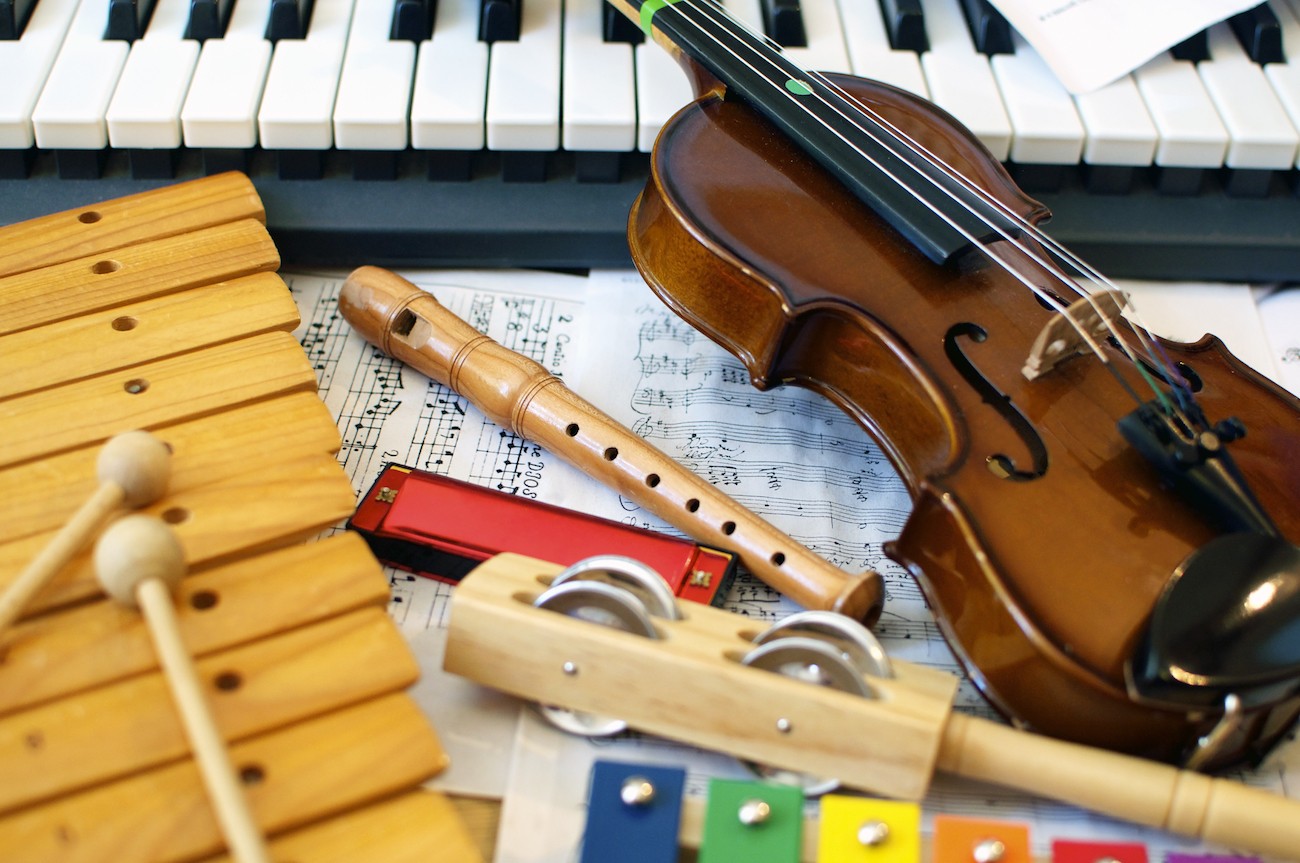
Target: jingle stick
[
  {"x": 138, "y": 560},
  {"x": 690, "y": 685},
  {"x": 133, "y": 470},
  {"x": 514, "y": 391}
]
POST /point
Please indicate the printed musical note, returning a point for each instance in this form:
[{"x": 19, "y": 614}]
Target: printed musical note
[{"x": 387, "y": 413}]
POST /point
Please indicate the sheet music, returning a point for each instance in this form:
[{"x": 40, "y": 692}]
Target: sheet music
[
  {"x": 1090, "y": 43},
  {"x": 1279, "y": 309},
  {"x": 786, "y": 454},
  {"x": 721, "y": 426},
  {"x": 388, "y": 413}
]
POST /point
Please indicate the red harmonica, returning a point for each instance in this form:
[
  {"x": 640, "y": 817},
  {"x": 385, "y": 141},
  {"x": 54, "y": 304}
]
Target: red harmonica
[{"x": 442, "y": 528}]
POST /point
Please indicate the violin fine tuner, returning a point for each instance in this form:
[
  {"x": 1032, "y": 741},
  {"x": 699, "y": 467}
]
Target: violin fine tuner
[{"x": 689, "y": 683}]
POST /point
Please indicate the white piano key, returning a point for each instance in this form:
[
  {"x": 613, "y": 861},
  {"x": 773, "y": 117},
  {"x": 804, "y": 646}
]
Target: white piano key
[
  {"x": 25, "y": 65},
  {"x": 871, "y": 55},
  {"x": 523, "y": 93},
  {"x": 1118, "y": 130},
  {"x": 825, "y": 51},
  {"x": 71, "y": 108},
  {"x": 599, "y": 85},
  {"x": 1045, "y": 125},
  {"x": 375, "y": 83},
  {"x": 1192, "y": 135},
  {"x": 221, "y": 107},
  {"x": 1261, "y": 135},
  {"x": 960, "y": 79},
  {"x": 146, "y": 109},
  {"x": 297, "y": 108},
  {"x": 443, "y": 117},
  {"x": 662, "y": 89},
  {"x": 1285, "y": 77},
  {"x": 747, "y": 12}
]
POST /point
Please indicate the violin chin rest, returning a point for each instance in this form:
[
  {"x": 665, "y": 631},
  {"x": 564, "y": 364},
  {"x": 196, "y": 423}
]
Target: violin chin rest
[{"x": 1227, "y": 623}]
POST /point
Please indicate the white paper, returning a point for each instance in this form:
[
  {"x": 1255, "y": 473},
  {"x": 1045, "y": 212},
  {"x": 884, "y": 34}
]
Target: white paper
[
  {"x": 695, "y": 402},
  {"x": 1090, "y": 43},
  {"x": 1188, "y": 311},
  {"x": 821, "y": 480},
  {"x": 1280, "y": 311},
  {"x": 389, "y": 413}
]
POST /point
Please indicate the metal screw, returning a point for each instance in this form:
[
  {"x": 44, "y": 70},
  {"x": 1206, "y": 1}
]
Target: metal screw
[
  {"x": 637, "y": 791},
  {"x": 989, "y": 851},
  {"x": 570, "y": 668},
  {"x": 784, "y": 725},
  {"x": 873, "y": 834},
  {"x": 754, "y": 812}
]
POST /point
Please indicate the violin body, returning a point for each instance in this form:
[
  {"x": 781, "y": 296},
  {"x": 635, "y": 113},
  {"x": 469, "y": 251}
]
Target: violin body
[{"x": 1039, "y": 536}]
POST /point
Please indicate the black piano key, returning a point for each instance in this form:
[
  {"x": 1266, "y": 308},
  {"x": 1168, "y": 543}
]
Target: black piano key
[
  {"x": 374, "y": 164},
  {"x": 989, "y": 30},
  {"x": 906, "y": 25},
  {"x": 208, "y": 19},
  {"x": 152, "y": 164},
  {"x": 451, "y": 166},
  {"x": 127, "y": 19},
  {"x": 80, "y": 164},
  {"x": 218, "y": 160},
  {"x": 16, "y": 164},
  {"x": 1248, "y": 182},
  {"x": 597, "y": 167},
  {"x": 299, "y": 164},
  {"x": 1179, "y": 180},
  {"x": 1260, "y": 33},
  {"x": 783, "y": 22},
  {"x": 1109, "y": 179},
  {"x": 524, "y": 166},
  {"x": 412, "y": 20},
  {"x": 1193, "y": 48},
  {"x": 617, "y": 27},
  {"x": 13, "y": 17},
  {"x": 1039, "y": 178},
  {"x": 499, "y": 20},
  {"x": 288, "y": 19}
]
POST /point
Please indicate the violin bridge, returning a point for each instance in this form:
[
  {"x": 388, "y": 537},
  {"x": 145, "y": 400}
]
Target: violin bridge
[{"x": 1074, "y": 331}]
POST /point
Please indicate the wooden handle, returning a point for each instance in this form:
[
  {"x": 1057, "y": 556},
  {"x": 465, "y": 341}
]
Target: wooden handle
[
  {"x": 1144, "y": 792},
  {"x": 70, "y": 539},
  {"x": 215, "y": 766},
  {"x": 518, "y": 393}
]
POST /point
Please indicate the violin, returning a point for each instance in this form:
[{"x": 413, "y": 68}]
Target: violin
[{"x": 1103, "y": 521}]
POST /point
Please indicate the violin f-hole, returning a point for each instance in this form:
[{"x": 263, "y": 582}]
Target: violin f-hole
[{"x": 1000, "y": 464}]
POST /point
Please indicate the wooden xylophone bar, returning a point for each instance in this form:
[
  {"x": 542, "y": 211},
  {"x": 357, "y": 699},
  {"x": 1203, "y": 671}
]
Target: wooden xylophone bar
[{"x": 163, "y": 311}]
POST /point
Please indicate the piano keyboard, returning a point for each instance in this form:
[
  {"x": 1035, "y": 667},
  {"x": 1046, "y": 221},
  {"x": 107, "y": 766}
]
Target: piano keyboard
[{"x": 515, "y": 132}]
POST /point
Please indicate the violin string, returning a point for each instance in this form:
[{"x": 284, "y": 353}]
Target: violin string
[
  {"x": 1058, "y": 252},
  {"x": 917, "y": 149},
  {"x": 729, "y": 24}
]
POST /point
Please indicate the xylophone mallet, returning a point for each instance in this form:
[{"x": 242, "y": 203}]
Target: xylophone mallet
[
  {"x": 133, "y": 469},
  {"x": 138, "y": 561}
]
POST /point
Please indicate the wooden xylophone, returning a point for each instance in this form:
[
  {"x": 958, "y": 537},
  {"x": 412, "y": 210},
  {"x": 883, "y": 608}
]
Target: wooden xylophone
[{"x": 162, "y": 311}]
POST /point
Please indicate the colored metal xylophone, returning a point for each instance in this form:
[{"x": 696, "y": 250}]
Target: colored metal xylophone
[
  {"x": 815, "y": 697},
  {"x": 162, "y": 311}
]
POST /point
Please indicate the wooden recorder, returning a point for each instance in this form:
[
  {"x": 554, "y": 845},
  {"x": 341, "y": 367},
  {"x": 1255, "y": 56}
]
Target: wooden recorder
[{"x": 162, "y": 311}]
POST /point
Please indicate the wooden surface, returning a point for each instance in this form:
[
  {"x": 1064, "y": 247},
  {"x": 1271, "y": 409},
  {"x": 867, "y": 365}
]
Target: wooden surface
[
  {"x": 689, "y": 685},
  {"x": 162, "y": 312}
]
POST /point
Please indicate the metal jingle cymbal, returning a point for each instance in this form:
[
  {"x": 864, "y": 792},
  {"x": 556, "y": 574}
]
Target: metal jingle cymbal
[
  {"x": 813, "y": 660},
  {"x": 606, "y": 605},
  {"x": 631, "y": 574},
  {"x": 854, "y": 641}
]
